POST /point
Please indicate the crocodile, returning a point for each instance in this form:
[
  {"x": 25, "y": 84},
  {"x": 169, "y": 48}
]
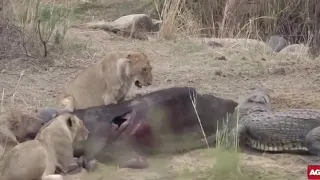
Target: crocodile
[{"x": 293, "y": 130}]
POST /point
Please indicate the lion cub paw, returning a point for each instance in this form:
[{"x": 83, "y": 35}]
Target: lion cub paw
[{"x": 52, "y": 177}]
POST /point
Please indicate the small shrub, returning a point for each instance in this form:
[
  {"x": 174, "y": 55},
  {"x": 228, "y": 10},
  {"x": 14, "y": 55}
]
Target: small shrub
[
  {"x": 52, "y": 25},
  {"x": 42, "y": 26}
]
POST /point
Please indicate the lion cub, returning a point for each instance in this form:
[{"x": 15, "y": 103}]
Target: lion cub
[
  {"x": 17, "y": 126},
  {"x": 52, "y": 147},
  {"x": 107, "y": 81}
]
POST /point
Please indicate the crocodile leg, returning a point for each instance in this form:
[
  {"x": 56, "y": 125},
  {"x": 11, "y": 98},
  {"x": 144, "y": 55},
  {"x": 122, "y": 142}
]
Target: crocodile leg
[{"x": 312, "y": 141}]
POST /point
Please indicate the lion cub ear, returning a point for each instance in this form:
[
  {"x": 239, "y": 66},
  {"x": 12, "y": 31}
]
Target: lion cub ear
[
  {"x": 69, "y": 122},
  {"x": 129, "y": 57}
]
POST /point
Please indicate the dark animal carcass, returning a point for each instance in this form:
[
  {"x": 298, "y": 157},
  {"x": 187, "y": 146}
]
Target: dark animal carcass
[{"x": 158, "y": 122}]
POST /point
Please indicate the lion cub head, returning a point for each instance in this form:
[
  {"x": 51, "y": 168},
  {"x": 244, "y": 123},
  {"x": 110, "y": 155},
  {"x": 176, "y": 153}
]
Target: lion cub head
[
  {"x": 47, "y": 114},
  {"x": 139, "y": 69},
  {"x": 80, "y": 132},
  {"x": 23, "y": 125}
]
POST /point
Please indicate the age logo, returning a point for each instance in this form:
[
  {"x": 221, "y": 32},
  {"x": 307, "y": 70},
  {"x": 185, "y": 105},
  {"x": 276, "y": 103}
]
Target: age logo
[{"x": 313, "y": 172}]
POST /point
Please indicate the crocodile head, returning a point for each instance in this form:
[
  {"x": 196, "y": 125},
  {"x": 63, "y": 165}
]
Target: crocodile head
[{"x": 257, "y": 100}]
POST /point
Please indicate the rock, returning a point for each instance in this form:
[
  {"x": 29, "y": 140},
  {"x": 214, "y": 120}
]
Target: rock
[
  {"x": 277, "y": 43},
  {"x": 240, "y": 43},
  {"x": 295, "y": 49},
  {"x": 132, "y": 25},
  {"x": 214, "y": 44}
]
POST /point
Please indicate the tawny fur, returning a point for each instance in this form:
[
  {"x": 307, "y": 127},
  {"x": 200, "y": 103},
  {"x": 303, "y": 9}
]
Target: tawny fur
[
  {"x": 133, "y": 25},
  {"x": 16, "y": 126},
  {"x": 107, "y": 81},
  {"x": 7, "y": 139},
  {"x": 37, "y": 159}
]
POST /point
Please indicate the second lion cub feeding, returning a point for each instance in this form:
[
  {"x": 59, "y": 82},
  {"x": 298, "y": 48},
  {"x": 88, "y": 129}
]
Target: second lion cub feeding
[
  {"x": 52, "y": 147},
  {"x": 107, "y": 81}
]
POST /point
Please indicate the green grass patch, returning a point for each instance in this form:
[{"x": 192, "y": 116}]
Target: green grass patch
[
  {"x": 228, "y": 166},
  {"x": 53, "y": 13}
]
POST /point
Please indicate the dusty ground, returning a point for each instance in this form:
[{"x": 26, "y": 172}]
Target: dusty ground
[{"x": 228, "y": 72}]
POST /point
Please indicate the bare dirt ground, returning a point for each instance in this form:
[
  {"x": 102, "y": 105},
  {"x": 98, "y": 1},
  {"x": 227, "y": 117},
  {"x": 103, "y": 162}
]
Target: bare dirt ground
[{"x": 227, "y": 72}]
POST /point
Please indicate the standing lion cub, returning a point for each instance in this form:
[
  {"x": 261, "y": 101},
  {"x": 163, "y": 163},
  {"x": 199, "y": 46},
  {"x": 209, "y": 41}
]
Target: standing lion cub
[
  {"x": 53, "y": 147},
  {"x": 107, "y": 81}
]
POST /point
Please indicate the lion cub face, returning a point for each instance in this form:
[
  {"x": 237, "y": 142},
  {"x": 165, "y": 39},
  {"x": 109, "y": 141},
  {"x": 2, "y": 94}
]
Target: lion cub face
[
  {"x": 77, "y": 127},
  {"x": 140, "y": 69},
  {"x": 83, "y": 132},
  {"x": 24, "y": 126}
]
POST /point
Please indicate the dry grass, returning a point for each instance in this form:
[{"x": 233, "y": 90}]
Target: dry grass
[
  {"x": 223, "y": 18},
  {"x": 181, "y": 63},
  {"x": 177, "y": 22},
  {"x": 256, "y": 19},
  {"x": 296, "y": 20}
]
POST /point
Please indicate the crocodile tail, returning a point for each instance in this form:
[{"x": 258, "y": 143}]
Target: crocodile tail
[{"x": 275, "y": 147}]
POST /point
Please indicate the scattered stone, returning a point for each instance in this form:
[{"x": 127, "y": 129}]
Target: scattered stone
[
  {"x": 277, "y": 43},
  {"x": 241, "y": 44},
  {"x": 218, "y": 73},
  {"x": 214, "y": 44},
  {"x": 295, "y": 49},
  {"x": 279, "y": 71},
  {"x": 276, "y": 156},
  {"x": 263, "y": 59},
  {"x": 243, "y": 58},
  {"x": 222, "y": 58}
]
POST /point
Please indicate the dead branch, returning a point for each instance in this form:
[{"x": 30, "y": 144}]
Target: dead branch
[{"x": 44, "y": 43}]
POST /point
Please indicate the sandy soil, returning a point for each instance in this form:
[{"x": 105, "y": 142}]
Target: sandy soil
[{"x": 228, "y": 72}]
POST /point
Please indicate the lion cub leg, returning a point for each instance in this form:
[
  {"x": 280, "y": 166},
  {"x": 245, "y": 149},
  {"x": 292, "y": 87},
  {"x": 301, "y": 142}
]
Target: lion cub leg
[
  {"x": 75, "y": 166},
  {"x": 68, "y": 164},
  {"x": 68, "y": 103},
  {"x": 52, "y": 177},
  {"x": 109, "y": 98},
  {"x": 72, "y": 168},
  {"x": 49, "y": 176}
]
